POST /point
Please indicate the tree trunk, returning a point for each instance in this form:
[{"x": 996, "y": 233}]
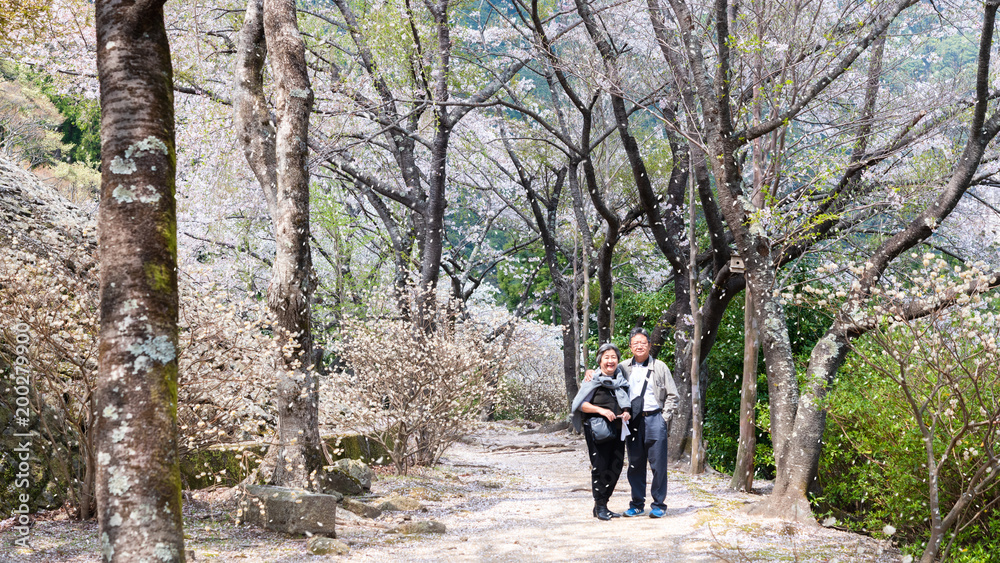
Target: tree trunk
[
  {"x": 138, "y": 476},
  {"x": 697, "y": 421},
  {"x": 679, "y": 440},
  {"x": 788, "y": 499},
  {"x": 565, "y": 290},
  {"x": 744, "y": 470},
  {"x": 605, "y": 281},
  {"x": 567, "y": 309},
  {"x": 299, "y": 452}
]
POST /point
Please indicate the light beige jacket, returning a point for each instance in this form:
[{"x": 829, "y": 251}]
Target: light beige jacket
[{"x": 663, "y": 386}]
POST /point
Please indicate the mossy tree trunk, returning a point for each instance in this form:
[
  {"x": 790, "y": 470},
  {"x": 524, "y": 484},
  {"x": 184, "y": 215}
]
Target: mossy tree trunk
[{"x": 138, "y": 478}]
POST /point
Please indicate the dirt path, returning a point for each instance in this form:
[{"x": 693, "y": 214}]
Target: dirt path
[
  {"x": 543, "y": 513},
  {"x": 509, "y": 496}
]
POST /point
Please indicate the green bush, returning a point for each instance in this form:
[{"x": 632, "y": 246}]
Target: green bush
[{"x": 873, "y": 469}]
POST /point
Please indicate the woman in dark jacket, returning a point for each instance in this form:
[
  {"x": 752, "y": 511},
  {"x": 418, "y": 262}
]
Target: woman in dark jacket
[{"x": 605, "y": 396}]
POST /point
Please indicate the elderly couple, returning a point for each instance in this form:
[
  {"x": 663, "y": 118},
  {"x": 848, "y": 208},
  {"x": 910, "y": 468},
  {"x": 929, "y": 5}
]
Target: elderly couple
[{"x": 641, "y": 394}]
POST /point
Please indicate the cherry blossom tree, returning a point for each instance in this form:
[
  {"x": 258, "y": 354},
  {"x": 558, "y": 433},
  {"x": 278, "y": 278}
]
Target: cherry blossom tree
[
  {"x": 138, "y": 479},
  {"x": 401, "y": 114}
]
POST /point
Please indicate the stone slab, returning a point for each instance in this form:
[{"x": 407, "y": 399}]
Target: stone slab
[{"x": 291, "y": 511}]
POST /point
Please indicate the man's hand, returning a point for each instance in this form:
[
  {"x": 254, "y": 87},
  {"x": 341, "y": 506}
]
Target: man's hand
[{"x": 588, "y": 375}]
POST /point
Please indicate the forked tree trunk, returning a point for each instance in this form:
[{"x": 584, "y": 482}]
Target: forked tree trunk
[
  {"x": 299, "y": 453},
  {"x": 278, "y": 157},
  {"x": 138, "y": 476}
]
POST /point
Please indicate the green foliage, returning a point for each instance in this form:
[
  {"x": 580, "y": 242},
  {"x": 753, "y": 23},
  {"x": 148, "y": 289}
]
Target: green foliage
[
  {"x": 80, "y": 119},
  {"x": 515, "y": 273},
  {"x": 873, "y": 472},
  {"x": 871, "y": 442},
  {"x": 81, "y": 129},
  {"x": 725, "y": 380},
  {"x": 55, "y": 134},
  {"x": 936, "y": 56},
  {"x": 336, "y": 240},
  {"x": 722, "y": 403},
  {"x": 634, "y": 308}
]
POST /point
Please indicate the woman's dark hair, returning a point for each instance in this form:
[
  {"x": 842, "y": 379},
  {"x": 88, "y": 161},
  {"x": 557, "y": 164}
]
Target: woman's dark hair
[{"x": 604, "y": 348}]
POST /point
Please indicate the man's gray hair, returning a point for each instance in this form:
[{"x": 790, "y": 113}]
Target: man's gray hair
[
  {"x": 604, "y": 348},
  {"x": 639, "y": 330}
]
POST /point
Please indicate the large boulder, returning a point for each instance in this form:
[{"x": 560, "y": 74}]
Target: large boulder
[
  {"x": 223, "y": 464},
  {"x": 357, "y": 446},
  {"x": 291, "y": 511}
]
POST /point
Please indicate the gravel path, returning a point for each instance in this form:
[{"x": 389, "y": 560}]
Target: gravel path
[{"x": 509, "y": 496}]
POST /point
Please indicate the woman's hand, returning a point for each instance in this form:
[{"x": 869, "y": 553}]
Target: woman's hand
[
  {"x": 626, "y": 416},
  {"x": 609, "y": 414}
]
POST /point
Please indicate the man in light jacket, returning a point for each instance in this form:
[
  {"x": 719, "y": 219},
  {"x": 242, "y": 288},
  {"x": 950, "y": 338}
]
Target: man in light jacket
[{"x": 654, "y": 399}]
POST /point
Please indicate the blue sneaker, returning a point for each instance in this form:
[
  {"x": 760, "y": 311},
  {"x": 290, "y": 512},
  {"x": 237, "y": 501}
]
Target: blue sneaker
[
  {"x": 632, "y": 512},
  {"x": 657, "y": 513}
]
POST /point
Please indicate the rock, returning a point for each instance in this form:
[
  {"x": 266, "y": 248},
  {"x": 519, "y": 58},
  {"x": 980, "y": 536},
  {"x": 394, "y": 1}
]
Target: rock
[
  {"x": 360, "y": 508},
  {"x": 423, "y": 493},
  {"x": 318, "y": 545},
  {"x": 36, "y": 223},
  {"x": 396, "y": 502},
  {"x": 349, "y": 476},
  {"x": 549, "y": 428},
  {"x": 225, "y": 464},
  {"x": 336, "y": 480},
  {"x": 418, "y": 527},
  {"x": 357, "y": 469},
  {"x": 234, "y": 462},
  {"x": 291, "y": 511},
  {"x": 356, "y": 446}
]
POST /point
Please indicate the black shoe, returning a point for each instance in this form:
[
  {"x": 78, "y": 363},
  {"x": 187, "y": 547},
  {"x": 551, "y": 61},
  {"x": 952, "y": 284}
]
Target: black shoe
[{"x": 602, "y": 513}]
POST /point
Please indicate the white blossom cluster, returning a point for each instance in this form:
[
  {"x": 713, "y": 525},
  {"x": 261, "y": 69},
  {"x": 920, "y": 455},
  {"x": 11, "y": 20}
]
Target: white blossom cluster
[{"x": 417, "y": 384}]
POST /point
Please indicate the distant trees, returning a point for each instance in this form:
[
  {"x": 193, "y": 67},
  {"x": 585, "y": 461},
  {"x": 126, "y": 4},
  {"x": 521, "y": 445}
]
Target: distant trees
[
  {"x": 138, "y": 478},
  {"x": 402, "y": 113}
]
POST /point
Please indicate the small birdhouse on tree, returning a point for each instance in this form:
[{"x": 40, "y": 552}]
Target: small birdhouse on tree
[{"x": 736, "y": 264}]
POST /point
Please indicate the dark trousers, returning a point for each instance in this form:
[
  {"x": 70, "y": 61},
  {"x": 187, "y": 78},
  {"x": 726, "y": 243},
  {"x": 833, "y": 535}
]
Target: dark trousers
[
  {"x": 648, "y": 443},
  {"x": 606, "y": 462}
]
